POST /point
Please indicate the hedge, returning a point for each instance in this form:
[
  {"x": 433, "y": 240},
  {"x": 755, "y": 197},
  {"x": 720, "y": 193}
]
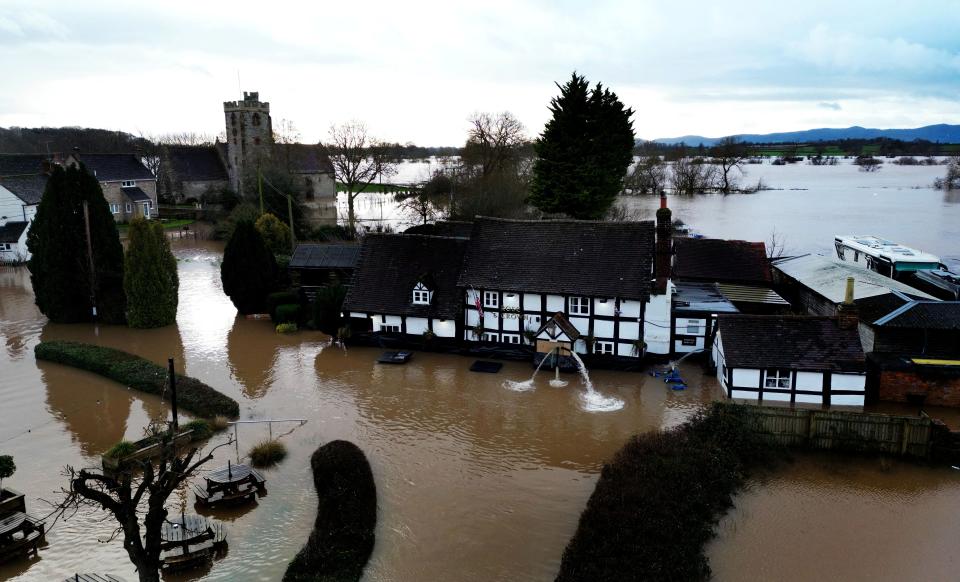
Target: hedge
[
  {"x": 140, "y": 374},
  {"x": 279, "y": 298},
  {"x": 287, "y": 313},
  {"x": 658, "y": 501},
  {"x": 343, "y": 535}
]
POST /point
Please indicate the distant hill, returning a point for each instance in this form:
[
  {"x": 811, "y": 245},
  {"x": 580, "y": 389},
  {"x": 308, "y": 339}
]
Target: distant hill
[
  {"x": 41, "y": 140},
  {"x": 942, "y": 133}
]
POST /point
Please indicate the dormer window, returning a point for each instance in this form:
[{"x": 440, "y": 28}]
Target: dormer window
[
  {"x": 422, "y": 295},
  {"x": 128, "y": 184}
]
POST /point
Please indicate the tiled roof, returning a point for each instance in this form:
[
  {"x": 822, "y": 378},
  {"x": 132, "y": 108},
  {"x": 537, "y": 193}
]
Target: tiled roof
[
  {"x": 789, "y": 341},
  {"x": 924, "y": 315},
  {"x": 325, "y": 256},
  {"x": 20, "y": 164},
  {"x": 115, "y": 167},
  {"x": 558, "y": 320},
  {"x": 11, "y": 231},
  {"x": 28, "y": 188},
  {"x": 136, "y": 194},
  {"x": 731, "y": 261},
  {"x": 460, "y": 229},
  {"x": 195, "y": 163},
  {"x": 572, "y": 257},
  {"x": 391, "y": 265},
  {"x": 301, "y": 158}
]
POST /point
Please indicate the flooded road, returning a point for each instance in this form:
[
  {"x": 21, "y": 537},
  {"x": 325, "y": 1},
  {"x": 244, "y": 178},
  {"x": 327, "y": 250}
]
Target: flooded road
[{"x": 475, "y": 482}]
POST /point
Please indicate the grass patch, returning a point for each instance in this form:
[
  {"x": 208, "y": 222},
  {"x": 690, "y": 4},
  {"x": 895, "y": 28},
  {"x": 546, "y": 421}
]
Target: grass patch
[
  {"x": 657, "y": 502},
  {"x": 200, "y": 429},
  {"x": 343, "y": 535},
  {"x": 167, "y": 224},
  {"x": 192, "y": 395},
  {"x": 121, "y": 449},
  {"x": 219, "y": 423},
  {"x": 267, "y": 453}
]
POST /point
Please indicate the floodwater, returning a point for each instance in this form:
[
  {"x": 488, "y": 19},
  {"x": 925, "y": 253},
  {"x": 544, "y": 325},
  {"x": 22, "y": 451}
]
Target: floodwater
[{"x": 474, "y": 481}]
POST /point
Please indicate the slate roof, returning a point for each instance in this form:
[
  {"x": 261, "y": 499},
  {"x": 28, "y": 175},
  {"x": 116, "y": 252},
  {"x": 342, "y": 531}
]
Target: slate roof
[
  {"x": 115, "y": 167},
  {"x": 456, "y": 228},
  {"x": 708, "y": 259},
  {"x": 11, "y": 231},
  {"x": 135, "y": 194},
  {"x": 572, "y": 257},
  {"x": 301, "y": 158},
  {"x": 20, "y": 164},
  {"x": 391, "y": 265},
  {"x": 943, "y": 315},
  {"x": 29, "y": 188},
  {"x": 325, "y": 256},
  {"x": 789, "y": 341},
  {"x": 195, "y": 163}
]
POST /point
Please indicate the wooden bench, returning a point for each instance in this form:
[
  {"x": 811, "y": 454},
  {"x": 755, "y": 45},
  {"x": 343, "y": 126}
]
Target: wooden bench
[{"x": 20, "y": 535}]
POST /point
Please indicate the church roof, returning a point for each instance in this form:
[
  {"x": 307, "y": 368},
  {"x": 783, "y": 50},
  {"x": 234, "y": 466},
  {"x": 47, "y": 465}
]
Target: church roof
[
  {"x": 195, "y": 163},
  {"x": 301, "y": 158}
]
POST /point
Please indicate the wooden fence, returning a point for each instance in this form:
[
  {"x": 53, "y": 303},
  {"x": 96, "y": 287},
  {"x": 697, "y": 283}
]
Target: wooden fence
[{"x": 840, "y": 430}]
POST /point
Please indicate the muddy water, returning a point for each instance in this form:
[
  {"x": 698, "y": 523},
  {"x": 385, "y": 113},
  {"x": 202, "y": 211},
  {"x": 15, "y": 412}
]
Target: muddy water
[
  {"x": 475, "y": 482},
  {"x": 835, "y": 518}
]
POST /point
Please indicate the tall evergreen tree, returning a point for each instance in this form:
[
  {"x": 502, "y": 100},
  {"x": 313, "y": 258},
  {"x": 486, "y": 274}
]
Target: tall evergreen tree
[
  {"x": 583, "y": 153},
  {"x": 249, "y": 270},
  {"x": 59, "y": 266},
  {"x": 275, "y": 234},
  {"x": 150, "y": 277}
]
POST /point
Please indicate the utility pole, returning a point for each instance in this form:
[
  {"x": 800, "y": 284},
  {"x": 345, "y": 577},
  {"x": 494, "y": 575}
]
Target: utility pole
[
  {"x": 173, "y": 394},
  {"x": 293, "y": 236},
  {"x": 260, "y": 185},
  {"x": 93, "y": 275}
]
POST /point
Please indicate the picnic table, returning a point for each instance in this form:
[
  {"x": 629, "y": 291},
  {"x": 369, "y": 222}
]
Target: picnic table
[
  {"x": 93, "y": 578},
  {"x": 231, "y": 484},
  {"x": 19, "y": 534},
  {"x": 189, "y": 540}
]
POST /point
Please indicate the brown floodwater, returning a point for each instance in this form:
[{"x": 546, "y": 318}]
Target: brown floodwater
[{"x": 474, "y": 481}]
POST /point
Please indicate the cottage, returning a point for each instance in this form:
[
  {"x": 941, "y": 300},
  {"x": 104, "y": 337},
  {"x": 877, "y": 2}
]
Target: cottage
[
  {"x": 406, "y": 286},
  {"x": 23, "y": 178},
  {"x": 790, "y": 359},
  {"x": 128, "y": 186}
]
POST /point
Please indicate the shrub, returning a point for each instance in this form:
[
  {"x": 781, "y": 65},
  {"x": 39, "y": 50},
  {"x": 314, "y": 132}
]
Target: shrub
[
  {"x": 201, "y": 429},
  {"x": 267, "y": 453},
  {"x": 150, "y": 276},
  {"x": 287, "y": 328},
  {"x": 249, "y": 270},
  {"x": 133, "y": 371},
  {"x": 657, "y": 501},
  {"x": 288, "y": 313},
  {"x": 279, "y": 298},
  {"x": 219, "y": 422},
  {"x": 343, "y": 535},
  {"x": 7, "y": 468},
  {"x": 121, "y": 449},
  {"x": 275, "y": 233},
  {"x": 327, "y": 308}
]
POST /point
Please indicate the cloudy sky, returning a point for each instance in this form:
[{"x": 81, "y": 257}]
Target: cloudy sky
[{"x": 414, "y": 71}]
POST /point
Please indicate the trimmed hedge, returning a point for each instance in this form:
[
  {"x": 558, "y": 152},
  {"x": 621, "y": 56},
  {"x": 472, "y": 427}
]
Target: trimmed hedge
[
  {"x": 140, "y": 374},
  {"x": 657, "y": 503},
  {"x": 275, "y": 300},
  {"x": 343, "y": 535},
  {"x": 287, "y": 313}
]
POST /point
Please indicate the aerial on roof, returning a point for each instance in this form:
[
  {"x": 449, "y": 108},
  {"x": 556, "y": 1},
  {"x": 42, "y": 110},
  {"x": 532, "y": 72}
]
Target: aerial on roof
[
  {"x": 391, "y": 265},
  {"x": 828, "y": 277},
  {"x": 195, "y": 163},
  {"x": 571, "y": 257},
  {"x": 27, "y": 188},
  {"x": 11, "y": 231},
  {"x": 115, "y": 167},
  {"x": 943, "y": 315},
  {"x": 22, "y": 164},
  {"x": 721, "y": 260},
  {"x": 789, "y": 341},
  {"x": 301, "y": 158},
  {"x": 324, "y": 256}
]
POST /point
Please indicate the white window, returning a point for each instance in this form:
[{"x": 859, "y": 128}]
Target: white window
[
  {"x": 128, "y": 184},
  {"x": 693, "y": 328},
  {"x": 115, "y": 208},
  {"x": 390, "y": 328},
  {"x": 421, "y": 297},
  {"x": 128, "y": 207},
  {"x": 490, "y": 337},
  {"x": 605, "y": 348},
  {"x": 510, "y": 338},
  {"x": 491, "y": 299},
  {"x": 777, "y": 379},
  {"x": 5, "y": 246},
  {"x": 579, "y": 306},
  {"x": 146, "y": 210}
]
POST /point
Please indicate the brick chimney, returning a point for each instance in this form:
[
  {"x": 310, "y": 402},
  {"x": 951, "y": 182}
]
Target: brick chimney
[
  {"x": 848, "y": 315},
  {"x": 664, "y": 246}
]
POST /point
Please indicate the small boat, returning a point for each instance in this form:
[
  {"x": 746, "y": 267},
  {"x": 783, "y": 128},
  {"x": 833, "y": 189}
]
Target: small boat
[{"x": 399, "y": 357}]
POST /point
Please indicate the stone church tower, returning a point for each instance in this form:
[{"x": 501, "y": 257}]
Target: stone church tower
[{"x": 249, "y": 140}]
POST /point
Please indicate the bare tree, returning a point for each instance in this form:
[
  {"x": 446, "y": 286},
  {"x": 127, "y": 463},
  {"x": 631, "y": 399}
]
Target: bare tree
[
  {"x": 868, "y": 163},
  {"x": 730, "y": 154},
  {"x": 690, "y": 177},
  {"x": 649, "y": 176},
  {"x": 141, "y": 488},
  {"x": 358, "y": 160},
  {"x": 419, "y": 205},
  {"x": 776, "y": 245},
  {"x": 286, "y": 132},
  {"x": 494, "y": 141}
]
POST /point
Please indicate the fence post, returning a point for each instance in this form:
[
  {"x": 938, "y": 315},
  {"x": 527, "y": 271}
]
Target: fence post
[
  {"x": 811, "y": 423},
  {"x": 903, "y": 437}
]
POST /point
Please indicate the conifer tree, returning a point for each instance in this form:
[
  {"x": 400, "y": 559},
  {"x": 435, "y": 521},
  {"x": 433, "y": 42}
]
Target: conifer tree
[
  {"x": 249, "y": 269},
  {"x": 583, "y": 153},
  {"x": 275, "y": 234},
  {"x": 150, "y": 276},
  {"x": 59, "y": 265}
]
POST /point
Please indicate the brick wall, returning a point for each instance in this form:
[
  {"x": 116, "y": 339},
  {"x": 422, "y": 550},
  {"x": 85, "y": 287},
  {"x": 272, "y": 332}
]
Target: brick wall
[{"x": 940, "y": 390}]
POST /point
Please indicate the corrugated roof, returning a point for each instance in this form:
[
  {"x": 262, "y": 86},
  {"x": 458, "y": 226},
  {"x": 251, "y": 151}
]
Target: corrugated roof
[
  {"x": 324, "y": 256},
  {"x": 750, "y": 294},
  {"x": 827, "y": 276},
  {"x": 29, "y": 188},
  {"x": 701, "y": 297}
]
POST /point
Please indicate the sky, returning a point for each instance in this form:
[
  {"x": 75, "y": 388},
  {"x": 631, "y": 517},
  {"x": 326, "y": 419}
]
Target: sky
[{"x": 415, "y": 71}]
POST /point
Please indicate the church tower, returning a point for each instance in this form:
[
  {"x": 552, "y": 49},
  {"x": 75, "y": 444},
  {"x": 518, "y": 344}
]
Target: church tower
[{"x": 249, "y": 139}]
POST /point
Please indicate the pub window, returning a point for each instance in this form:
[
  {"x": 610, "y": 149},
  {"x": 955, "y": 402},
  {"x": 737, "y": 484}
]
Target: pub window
[
  {"x": 605, "y": 348},
  {"x": 421, "y": 297},
  {"x": 489, "y": 337},
  {"x": 579, "y": 306},
  {"x": 777, "y": 379},
  {"x": 510, "y": 338},
  {"x": 491, "y": 299},
  {"x": 693, "y": 327},
  {"x": 4, "y": 246},
  {"x": 390, "y": 328}
]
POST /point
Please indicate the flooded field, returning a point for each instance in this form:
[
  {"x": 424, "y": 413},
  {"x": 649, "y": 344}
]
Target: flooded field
[{"x": 475, "y": 481}]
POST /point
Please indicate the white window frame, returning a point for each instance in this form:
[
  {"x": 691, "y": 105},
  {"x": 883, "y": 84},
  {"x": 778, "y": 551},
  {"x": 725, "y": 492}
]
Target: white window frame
[
  {"x": 490, "y": 336},
  {"x": 146, "y": 210},
  {"x": 128, "y": 183},
  {"x": 128, "y": 207},
  {"x": 510, "y": 338},
  {"x": 6, "y": 247},
  {"x": 491, "y": 299},
  {"x": 777, "y": 378},
  {"x": 422, "y": 296},
  {"x": 579, "y": 306},
  {"x": 389, "y": 328},
  {"x": 114, "y": 208},
  {"x": 606, "y": 348}
]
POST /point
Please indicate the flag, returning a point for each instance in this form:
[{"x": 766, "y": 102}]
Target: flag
[{"x": 476, "y": 301}]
